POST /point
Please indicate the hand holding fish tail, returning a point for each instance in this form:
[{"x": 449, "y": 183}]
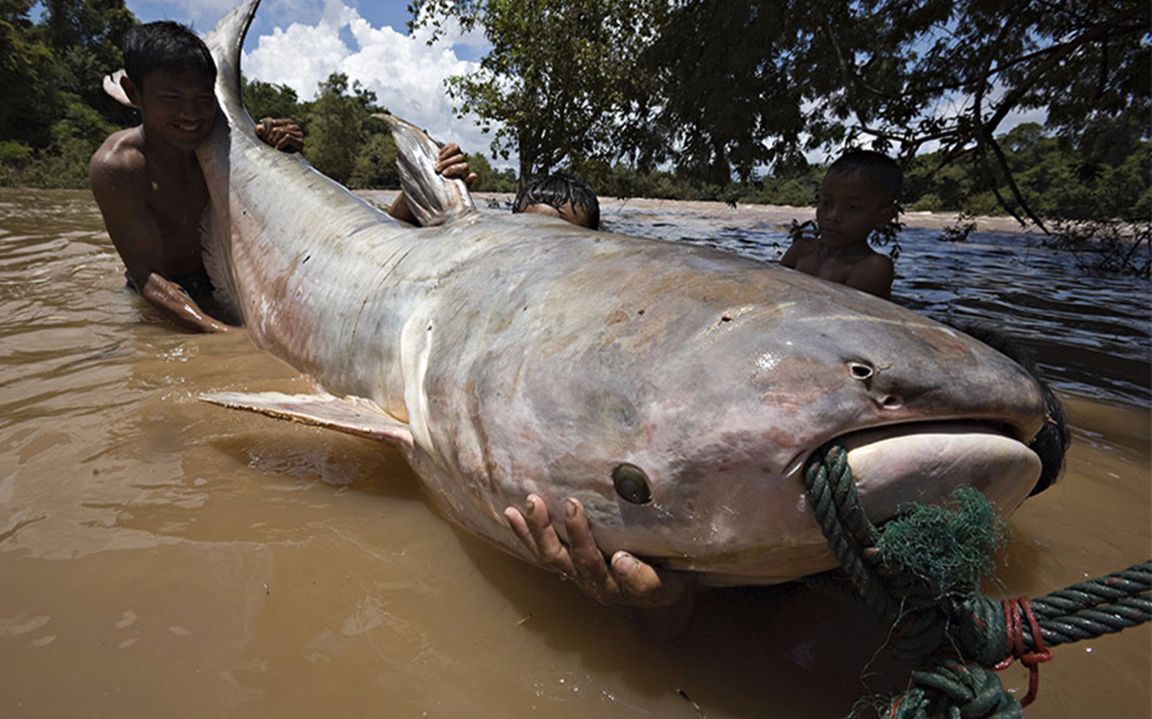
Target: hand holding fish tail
[
  {"x": 452, "y": 162},
  {"x": 281, "y": 133},
  {"x": 625, "y": 581}
]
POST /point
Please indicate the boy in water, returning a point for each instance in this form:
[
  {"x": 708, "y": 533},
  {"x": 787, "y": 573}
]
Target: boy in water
[
  {"x": 562, "y": 196},
  {"x": 858, "y": 195},
  {"x": 147, "y": 180}
]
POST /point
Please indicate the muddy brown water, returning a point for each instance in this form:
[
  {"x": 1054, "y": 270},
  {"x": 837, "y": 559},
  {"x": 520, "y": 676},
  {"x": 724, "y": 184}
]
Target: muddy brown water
[{"x": 160, "y": 557}]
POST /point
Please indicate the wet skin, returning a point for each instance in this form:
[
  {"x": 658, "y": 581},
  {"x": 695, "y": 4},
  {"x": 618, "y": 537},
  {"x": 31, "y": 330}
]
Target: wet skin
[
  {"x": 151, "y": 191},
  {"x": 850, "y": 208},
  {"x": 574, "y": 215}
]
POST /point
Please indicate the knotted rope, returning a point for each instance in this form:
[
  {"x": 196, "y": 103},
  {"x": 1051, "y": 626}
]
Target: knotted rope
[{"x": 922, "y": 574}]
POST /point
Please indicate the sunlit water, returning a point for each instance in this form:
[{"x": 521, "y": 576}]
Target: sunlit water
[{"x": 160, "y": 557}]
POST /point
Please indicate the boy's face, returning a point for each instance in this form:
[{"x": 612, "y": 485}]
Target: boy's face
[
  {"x": 568, "y": 213},
  {"x": 850, "y": 207},
  {"x": 177, "y": 108}
]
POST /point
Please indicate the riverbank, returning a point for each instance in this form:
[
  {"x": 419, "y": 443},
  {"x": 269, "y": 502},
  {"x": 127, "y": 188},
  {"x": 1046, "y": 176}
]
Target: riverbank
[{"x": 770, "y": 215}]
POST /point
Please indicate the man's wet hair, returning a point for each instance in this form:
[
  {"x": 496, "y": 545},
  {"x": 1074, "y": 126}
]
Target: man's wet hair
[
  {"x": 556, "y": 191},
  {"x": 876, "y": 166},
  {"x": 165, "y": 45}
]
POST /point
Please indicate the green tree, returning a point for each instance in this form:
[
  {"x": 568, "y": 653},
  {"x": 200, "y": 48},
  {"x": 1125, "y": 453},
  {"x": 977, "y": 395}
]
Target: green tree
[
  {"x": 747, "y": 82},
  {"x": 85, "y": 36},
  {"x": 27, "y": 78},
  {"x": 337, "y": 124},
  {"x": 375, "y": 163},
  {"x": 552, "y": 87},
  {"x": 724, "y": 88},
  {"x": 54, "y": 113},
  {"x": 263, "y": 99}
]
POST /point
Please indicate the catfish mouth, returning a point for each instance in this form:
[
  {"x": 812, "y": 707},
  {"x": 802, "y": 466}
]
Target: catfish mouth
[{"x": 927, "y": 461}]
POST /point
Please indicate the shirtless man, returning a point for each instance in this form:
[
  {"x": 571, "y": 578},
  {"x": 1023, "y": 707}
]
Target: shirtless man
[
  {"x": 147, "y": 181},
  {"x": 858, "y": 195}
]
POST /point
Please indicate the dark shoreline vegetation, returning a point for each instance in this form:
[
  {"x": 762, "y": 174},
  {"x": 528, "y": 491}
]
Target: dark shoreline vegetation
[{"x": 1090, "y": 186}]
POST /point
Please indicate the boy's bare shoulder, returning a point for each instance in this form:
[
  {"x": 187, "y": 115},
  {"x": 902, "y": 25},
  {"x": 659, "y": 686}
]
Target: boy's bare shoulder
[
  {"x": 119, "y": 158},
  {"x": 873, "y": 274},
  {"x": 802, "y": 246},
  {"x": 875, "y": 260}
]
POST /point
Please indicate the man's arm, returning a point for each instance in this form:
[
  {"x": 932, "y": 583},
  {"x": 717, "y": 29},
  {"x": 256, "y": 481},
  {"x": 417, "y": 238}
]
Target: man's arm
[
  {"x": 790, "y": 256},
  {"x": 119, "y": 185},
  {"x": 451, "y": 162},
  {"x": 171, "y": 299}
]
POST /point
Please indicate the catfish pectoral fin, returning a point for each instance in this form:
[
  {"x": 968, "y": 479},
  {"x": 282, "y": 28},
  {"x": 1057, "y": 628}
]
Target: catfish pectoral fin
[{"x": 351, "y": 415}]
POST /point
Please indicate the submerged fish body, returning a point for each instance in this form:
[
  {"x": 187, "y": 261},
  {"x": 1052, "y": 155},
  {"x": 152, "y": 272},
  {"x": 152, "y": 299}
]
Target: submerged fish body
[{"x": 676, "y": 391}]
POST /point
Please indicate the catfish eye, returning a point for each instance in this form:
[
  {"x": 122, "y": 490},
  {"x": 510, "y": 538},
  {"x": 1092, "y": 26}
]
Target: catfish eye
[
  {"x": 860, "y": 370},
  {"x": 631, "y": 483}
]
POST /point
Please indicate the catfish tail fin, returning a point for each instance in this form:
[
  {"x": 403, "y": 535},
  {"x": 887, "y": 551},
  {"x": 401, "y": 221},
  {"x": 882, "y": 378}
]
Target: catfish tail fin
[
  {"x": 433, "y": 198},
  {"x": 225, "y": 43}
]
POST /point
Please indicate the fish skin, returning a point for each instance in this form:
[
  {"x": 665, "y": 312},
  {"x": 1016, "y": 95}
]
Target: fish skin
[{"x": 522, "y": 354}]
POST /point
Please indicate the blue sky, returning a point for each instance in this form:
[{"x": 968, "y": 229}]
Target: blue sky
[{"x": 202, "y": 14}]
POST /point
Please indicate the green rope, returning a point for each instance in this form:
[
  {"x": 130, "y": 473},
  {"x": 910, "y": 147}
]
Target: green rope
[{"x": 922, "y": 573}]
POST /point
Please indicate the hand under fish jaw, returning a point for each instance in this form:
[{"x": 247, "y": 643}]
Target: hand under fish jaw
[{"x": 622, "y": 581}]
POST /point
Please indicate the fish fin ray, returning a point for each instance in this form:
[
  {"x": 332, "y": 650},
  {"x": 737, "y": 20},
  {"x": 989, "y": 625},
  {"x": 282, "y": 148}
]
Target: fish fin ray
[
  {"x": 214, "y": 252},
  {"x": 113, "y": 89},
  {"x": 351, "y": 415},
  {"x": 433, "y": 198}
]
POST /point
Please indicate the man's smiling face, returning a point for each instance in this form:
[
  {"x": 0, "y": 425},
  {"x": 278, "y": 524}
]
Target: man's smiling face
[{"x": 177, "y": 108}]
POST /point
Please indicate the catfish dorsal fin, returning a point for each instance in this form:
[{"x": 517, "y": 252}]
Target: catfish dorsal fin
[
  {"x": 433, "y": 198},
  {"x": 351, "y": 415}
]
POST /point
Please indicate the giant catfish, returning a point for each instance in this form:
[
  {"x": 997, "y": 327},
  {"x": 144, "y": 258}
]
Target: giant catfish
[{"x": 675, "y": 391}]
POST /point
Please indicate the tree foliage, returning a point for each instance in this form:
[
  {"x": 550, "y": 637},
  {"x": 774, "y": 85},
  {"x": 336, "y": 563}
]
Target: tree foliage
[
  {"x": 375, "y": 162},
  {"x": 263, "y": 99},
  {"x": 27, "y": 73},
  {"x": 723, "y": 88},
  {"x": 337, "y": 120},
  {"x": 54, "y": 113},
  {"x": 558, "y": 75},
  {"x": 85, "y": 38}
]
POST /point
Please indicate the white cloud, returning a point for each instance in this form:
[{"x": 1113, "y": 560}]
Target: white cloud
[{"x": 406, "y": 73}]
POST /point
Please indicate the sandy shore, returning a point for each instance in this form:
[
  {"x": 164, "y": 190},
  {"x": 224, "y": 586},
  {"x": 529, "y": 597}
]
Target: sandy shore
[{"x": 768, "y": 214}]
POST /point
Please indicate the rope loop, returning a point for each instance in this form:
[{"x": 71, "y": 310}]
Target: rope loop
[
  {"x": 934, "y": 604},
  {"x": 1016, "y": 612}
]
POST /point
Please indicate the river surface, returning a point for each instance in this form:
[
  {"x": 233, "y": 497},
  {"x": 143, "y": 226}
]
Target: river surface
[{"x": 160, "y": 557}]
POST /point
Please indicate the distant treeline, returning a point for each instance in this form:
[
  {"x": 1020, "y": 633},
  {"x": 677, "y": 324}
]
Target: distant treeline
[
  {"x": 1109, "y": 177},
  {"x": 55, "y": 114}
]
